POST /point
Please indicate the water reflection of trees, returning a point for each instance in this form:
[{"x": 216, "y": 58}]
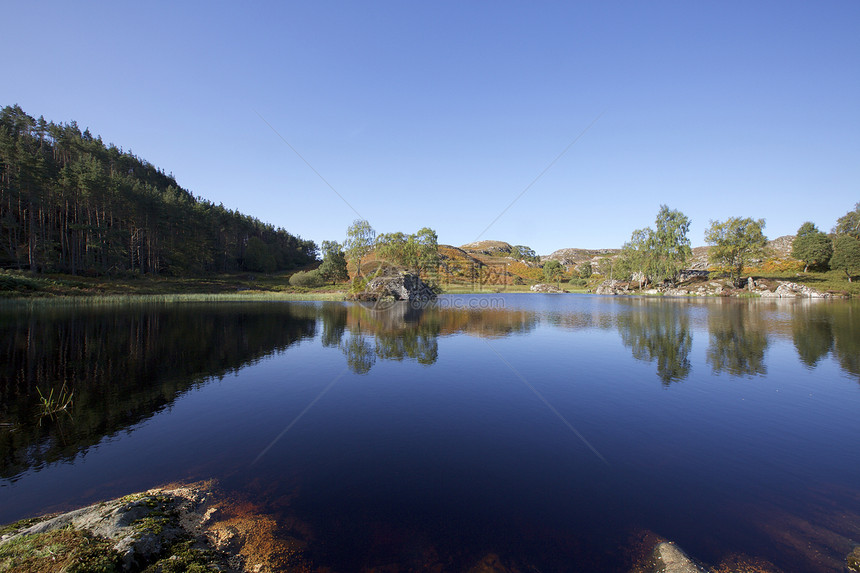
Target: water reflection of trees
[
  {"x": 737, "y": 339},
  {"x": 821, "y": 328},
  {"x": 846, "y": 339},
  {"x": 405, "y": 332},
  {"x": 812, "y": 332},
  {"x": 123, "y": 363},
  {"x": 659, "y": 332}
]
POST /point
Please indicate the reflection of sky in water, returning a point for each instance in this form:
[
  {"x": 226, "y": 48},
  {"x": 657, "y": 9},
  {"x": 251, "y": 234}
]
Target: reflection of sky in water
[{"x": 461, "y": 452}]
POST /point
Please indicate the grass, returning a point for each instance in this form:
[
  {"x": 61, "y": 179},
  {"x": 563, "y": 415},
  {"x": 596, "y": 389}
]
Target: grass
[
  {"x": 466, "y": 288},
  {"x": 183, "y": 557},
  {"x": 21, "y": 284},
  {"x": 16, "y": 285},
  {"x": 66, "y": 549},
  {"x": 835, "y": 281},
  {"x": 51, "y": 405}
]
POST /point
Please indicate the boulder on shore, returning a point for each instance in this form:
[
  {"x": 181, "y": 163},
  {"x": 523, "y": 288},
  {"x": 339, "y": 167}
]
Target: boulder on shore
[
  {"x": 543, "y": 287},
  {"x": 699, "y": 286},
  {"x": 794, "y": 290}
]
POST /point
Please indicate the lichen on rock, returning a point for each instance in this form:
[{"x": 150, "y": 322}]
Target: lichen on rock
[{"x": 181, "y": 528}]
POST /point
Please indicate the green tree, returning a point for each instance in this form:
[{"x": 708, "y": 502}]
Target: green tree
[
  {"x": 636, "y": 254},
  {"x": 360, "y": 240},
  {"x": 393, "y": 247},
  {"x": 846, "y": 255},
  {"x": 585, "y": 270},
  {"x": 811, "y": 246},
  {"x": 553, "y": 271},
  {"x": 605, "y": 266},
  {"x": 70, "y": 204},
  {"x": 669, "y": 245},
  {"x": 849, "y": 224},
  {"x": 417, "y": 252},
  {"x": 524, "y": 253},
  {"x": 735, "y": 242},
  {"x": 427, "y": 247},
  {"x": 333, "y": 267},
  {"x": 258, "y": 256}
]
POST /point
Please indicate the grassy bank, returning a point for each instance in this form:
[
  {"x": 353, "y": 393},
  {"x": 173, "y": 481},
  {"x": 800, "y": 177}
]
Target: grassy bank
[
  {"x": 22, "y": 284},
  {"x": 18, "y": 284},
  {"x": 834, "y": 281}
]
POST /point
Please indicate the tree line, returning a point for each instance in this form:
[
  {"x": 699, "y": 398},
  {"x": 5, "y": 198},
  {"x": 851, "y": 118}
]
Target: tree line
[
  {"x": 660, "y": 254},
  {"x": 71, "y": 204},
  {"x": 417, "y": 252}
]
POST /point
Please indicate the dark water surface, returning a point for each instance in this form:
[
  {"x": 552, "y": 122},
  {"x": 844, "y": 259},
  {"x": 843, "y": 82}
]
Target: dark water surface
[{"x": 550, "y": 430}]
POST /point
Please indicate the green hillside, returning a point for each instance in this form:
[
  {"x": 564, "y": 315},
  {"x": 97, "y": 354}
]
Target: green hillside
[{"x": 71, "y": 204}]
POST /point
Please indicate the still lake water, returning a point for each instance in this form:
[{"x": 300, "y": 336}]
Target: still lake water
[{"x": 550, "y": 430}]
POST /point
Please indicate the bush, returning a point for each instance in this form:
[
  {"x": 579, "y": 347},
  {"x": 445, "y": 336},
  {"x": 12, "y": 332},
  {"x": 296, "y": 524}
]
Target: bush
[
  {"x": 358, "y": 285},
  {"x": 577, "y": 282},
  {"x": 309, "y": 279}
]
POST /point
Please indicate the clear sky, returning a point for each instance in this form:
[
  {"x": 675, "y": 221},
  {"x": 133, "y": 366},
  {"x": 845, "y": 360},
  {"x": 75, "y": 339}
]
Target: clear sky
[{"x": 442, "y": 113}]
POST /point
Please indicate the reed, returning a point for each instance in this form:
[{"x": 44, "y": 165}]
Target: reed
[
  {"x": 51, "y": 405},
  {"x": 170, "y": 299}
]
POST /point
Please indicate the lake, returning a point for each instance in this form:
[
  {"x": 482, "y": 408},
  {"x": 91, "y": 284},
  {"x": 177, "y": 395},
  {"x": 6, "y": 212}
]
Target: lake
[{"x": 555, "y": 431}]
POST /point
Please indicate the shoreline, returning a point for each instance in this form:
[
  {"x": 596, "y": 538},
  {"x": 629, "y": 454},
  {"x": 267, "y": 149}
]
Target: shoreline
[
  {"x": 18, "y": 286},
  {"x": 198, "y": 527}
]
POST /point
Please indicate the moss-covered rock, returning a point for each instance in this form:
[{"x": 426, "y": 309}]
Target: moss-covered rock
[
  {"x": 68, "y": 549},
  {"x": 853, "y": 559}
]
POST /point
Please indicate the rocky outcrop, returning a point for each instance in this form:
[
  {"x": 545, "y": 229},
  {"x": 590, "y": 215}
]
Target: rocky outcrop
[
  {"x": 542, "y": 287},
  {"x": 576, "y": 257},
  {"x": 491, "y": 248},
  {"x": 613, "y": 287},
  {"x": 688, "y": 274},
  {"x": 699, "y": 286},
  {"x": 670, "y": 558},
  {"x": 794, "y": 290},
  {"x": 139, "y": 529},
  {"x": 401, "y": 286},
  {"x": 192, "y": 527}
]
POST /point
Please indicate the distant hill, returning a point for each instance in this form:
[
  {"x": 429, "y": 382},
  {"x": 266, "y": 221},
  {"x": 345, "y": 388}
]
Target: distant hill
[
  {"x": 497, "y": 248},
  {"x": 71, "y": 204},
  {"x": 571, "y": 256},
  {"x": 487, "y": 262}
]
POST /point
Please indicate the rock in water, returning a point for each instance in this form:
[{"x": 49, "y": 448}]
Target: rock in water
[
  {"x": 403, "y": 286},
  {"x": 674, "y": 560}
]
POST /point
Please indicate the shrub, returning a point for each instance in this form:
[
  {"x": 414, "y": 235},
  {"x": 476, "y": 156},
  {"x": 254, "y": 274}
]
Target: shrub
[
  {"x": 358, "y": 285},
  {"x": 309, "y": 279}
]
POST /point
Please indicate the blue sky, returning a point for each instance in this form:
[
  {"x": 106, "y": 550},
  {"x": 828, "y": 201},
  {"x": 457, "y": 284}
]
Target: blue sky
[{"x": 441, "y": 113}]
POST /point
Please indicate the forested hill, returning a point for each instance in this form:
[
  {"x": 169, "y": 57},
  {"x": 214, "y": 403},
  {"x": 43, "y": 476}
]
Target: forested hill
[{"x": 71, "y": 204}]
